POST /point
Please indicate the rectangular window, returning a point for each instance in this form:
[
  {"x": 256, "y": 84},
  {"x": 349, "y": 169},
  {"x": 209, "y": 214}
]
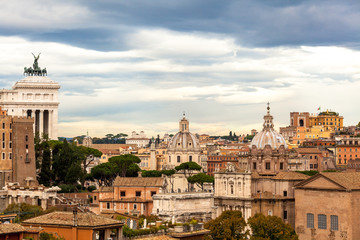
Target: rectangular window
[
  {"x": 254, "y": 165},
  {"x": 138, "y": 193},
  {"x": 153, "y": 193},
  {"x": 122, "y": 194},
  {"x": 267, "y": 165},
  {"x": 334, "y": 222},
  {"x": 135, "y": 206},
  {"x": 285, "y": 193},
  {"x": 3, "y": 125},
  {"x": 285, "y": 214},
  {"x": 3, "y": 156},
  {"x": 281, "y": 166},
  {"x": 322, "y": 221},
  {"x": 310, "y": 220},
  {"x": 108, "y": 205},
  {"x": 270, "y": 213},
  {"x": 311, "y": 166}
]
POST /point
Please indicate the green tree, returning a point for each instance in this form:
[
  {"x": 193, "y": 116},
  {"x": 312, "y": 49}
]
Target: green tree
[
  {"x": 228, "y": 226},
  {"x": 46, "y": 173},
  {"x": 26, "y": 211},
  {"x": 123, "y": 163},
  {"x": 200, "y": 178},
  {"x": 88, "y": 156},
  {"x": 270, "y": 228},
  {"x": 151, "y": 173},
  {"x": 188, "y": 168},
  {"x": 104, "y": 174},
  {"x": 49, "y": 236}
]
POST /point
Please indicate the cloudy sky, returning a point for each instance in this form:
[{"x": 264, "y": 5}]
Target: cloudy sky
[{"x": 138, "y": 64}]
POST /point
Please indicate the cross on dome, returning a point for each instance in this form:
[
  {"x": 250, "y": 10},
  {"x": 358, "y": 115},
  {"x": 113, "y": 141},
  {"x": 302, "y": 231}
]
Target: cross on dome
[{"x": 268, "y": 124}]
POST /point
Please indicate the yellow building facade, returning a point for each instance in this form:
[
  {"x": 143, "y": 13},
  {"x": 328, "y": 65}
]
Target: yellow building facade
[{"x": 330, "y": 120}]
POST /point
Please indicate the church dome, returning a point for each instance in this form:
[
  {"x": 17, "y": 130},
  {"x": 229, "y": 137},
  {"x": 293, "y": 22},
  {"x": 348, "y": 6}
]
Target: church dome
[
  {"x": 268, "y": 136},
  {"x": 184, "y": 140}
]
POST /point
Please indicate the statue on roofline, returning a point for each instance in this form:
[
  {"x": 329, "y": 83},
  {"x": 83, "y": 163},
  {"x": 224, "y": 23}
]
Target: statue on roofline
[
  {"x": 35, "y": 70},
  {"x": 36, "y": 65}
]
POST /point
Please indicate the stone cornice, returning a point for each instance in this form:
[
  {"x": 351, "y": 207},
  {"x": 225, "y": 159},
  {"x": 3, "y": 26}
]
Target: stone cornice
[
  {"x": 37, "y": 86},
  {"x": 31, "y": 103}
]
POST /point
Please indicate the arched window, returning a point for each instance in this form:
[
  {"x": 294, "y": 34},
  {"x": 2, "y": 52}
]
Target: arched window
[{"x": 301, "y": 122}]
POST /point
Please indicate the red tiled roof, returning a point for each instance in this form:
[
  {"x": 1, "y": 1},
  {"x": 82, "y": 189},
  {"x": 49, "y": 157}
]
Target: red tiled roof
[
  {"x": 138, "y": 182},
  {"x": 11, "y": 228},
  {"x": 67, "y": 219},
  {"x": 308, "y": 150}
]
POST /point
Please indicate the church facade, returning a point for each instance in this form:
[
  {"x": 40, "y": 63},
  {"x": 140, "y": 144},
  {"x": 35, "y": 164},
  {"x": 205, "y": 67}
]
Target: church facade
[{"x": 183, "y": 147}]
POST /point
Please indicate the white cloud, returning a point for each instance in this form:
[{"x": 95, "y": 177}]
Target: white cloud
[
  {"x": 41, "y": 15},
  {"x": 166, "y": 67}
]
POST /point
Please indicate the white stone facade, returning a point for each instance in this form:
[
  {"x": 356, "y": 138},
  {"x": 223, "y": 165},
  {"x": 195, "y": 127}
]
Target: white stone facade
[
  {"x": 139, "y": 139},
  {"x": 182, "y": 207},
  {"x": 232, "y": 191},
  {"x": 38, "y": 195},
  {"x": 34, "y": 96}
]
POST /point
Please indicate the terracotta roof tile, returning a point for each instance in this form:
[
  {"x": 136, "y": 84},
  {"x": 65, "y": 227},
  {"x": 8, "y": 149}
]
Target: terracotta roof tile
[
  {"x": 282, "y": 176},
  {"x": 312, "y": 150},
  {"x": 139, "y": 181},
  {"x": 105, "y": 189},
  {"x": 161, "y": 237},
  {"x": 11, "y": 228},
  {"x": 67, "y": 219},
  {"x": 290, "y": 176},
  {"x": 349, "y": 180}
]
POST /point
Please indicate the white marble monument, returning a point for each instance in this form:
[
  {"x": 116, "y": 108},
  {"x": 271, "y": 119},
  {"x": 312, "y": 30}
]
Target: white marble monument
[{"x": 34, "y": 96}]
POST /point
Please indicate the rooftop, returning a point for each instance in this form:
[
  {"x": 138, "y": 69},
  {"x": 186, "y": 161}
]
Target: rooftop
[
  {"x": 11, "y": 228},
  {"x": 89, "y": 220},
  {"x": 138, "y": 182}
]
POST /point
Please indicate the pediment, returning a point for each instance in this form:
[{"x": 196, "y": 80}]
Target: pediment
[{"x": 321, "y": 183}]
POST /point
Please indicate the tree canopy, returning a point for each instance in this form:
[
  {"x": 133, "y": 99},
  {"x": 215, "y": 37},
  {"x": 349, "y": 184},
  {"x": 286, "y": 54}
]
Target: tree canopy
[
  {"x": 125, "y": 162},
  {"x": 187, "y": 168},
  {"x": 200, "y": 178},
  {"x": 270, "y": 228},
  {"x": 61, "y": 162},
  {"x": 228, "y": 226},
  {"x": 156, "y": 173},
  {"x": 123, "y": 166}
]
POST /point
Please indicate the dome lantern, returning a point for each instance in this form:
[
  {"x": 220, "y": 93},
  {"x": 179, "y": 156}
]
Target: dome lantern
[{"x": 268, "y": 136}]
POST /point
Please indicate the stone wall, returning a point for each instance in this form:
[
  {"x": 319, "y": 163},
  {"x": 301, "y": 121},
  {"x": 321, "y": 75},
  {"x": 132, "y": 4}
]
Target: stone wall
[{"x": 182, "y": 207}]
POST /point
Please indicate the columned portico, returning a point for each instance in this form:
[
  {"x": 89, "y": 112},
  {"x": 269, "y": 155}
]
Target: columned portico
[{"x": 34, "y": 96}]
